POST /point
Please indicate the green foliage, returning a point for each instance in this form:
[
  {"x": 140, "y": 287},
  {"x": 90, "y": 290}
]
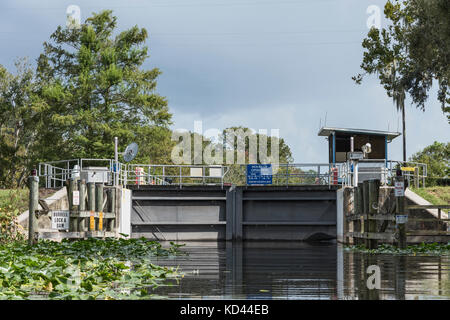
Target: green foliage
[
  {"x": 19, "y": 123},
  {"x": 412, "y": 52},
  {"x": 88, "y": 88},
  {"x": 437, "y": 159},
  {"x": 422, "y": 249},
  {"x": 95, "y": 88},
  {"x": 85, "y": 269},
  {"x": 10, "y": 202}
]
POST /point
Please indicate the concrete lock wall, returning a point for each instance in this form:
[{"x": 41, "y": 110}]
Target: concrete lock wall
[{"x": 234, "y": 213}]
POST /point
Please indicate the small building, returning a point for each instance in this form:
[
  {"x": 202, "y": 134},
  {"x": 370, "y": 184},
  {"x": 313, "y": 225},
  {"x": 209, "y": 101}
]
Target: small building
[{"x": 339, "y": 142}]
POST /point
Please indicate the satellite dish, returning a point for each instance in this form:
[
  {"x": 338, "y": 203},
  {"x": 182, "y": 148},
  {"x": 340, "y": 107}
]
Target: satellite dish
[
  {"x": 367, "y": 148},
  {"x": 130, "y": 152}
]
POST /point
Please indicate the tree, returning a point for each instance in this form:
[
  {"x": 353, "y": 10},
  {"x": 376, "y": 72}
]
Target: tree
[
  {"x": 437, "y": 159},
  {"x": 236, "y": 174},
  {"x": 20, "y": 122},
  {"x": 410, "y": 53},
  {"x": 95, "y": 89}
]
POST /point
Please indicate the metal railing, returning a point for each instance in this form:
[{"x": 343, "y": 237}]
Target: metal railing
[
  {"x": 142, "y": 174},
  {"x": 414, "y": 172},
  {"x": 304, "y": 174},
  {"x": 56, "y": 173}
]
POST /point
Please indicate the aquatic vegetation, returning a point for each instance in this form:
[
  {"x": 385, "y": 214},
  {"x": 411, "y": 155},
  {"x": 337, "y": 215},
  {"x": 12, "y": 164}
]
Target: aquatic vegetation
[
  {"x": 84, "y": 269},
  {"x": 422, "y": 249}
]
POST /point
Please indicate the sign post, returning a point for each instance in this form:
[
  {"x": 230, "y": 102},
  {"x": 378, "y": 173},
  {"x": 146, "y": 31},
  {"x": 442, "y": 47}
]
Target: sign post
[{"x": 401, "y": 217}]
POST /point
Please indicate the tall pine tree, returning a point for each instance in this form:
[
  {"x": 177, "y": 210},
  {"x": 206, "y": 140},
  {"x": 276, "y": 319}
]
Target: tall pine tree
[{"x": 95, "y": 88}]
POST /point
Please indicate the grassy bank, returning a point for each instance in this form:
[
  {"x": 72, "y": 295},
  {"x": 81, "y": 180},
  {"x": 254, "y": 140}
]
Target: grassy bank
[
  {"x": 434, "y": 195},
  {"x": 85, "y": 269},
  {"x": 17, "y": 198}
]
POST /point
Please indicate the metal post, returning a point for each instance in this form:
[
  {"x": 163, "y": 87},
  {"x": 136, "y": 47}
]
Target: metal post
[
  {"x": 401, "y": 210},
  {"x": 355, "y": 172},
  {"x": 33, "y": 183},
  {"x": 116, "y": 160},
  {"x": 334, "y": 148},
  {"x": 287, "y": 174}
]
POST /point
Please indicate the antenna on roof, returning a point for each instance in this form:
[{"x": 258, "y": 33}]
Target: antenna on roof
[{"x": 325, "y": 124}]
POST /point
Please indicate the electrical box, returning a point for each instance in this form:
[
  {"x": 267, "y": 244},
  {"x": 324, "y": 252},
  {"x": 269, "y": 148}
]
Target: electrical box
[{"x": 96, "y": 174}]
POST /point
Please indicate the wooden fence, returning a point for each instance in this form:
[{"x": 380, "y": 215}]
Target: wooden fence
[{"x": 367, "y": 228}]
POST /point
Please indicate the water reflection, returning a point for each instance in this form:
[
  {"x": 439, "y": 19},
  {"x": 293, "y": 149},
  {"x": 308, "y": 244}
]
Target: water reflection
[{"x": 299, "y": 270}]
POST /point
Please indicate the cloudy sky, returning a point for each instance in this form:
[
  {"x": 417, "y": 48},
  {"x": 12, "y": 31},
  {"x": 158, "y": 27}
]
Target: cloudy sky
[{"x": 263, "y": 64}]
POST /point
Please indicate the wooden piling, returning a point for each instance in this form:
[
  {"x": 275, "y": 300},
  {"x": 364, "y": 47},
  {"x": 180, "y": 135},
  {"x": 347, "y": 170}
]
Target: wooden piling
[
  {"x": 374, "y": 186},
  {"x": 99, "y": 205},
  {"x": 33, "y": 183},
  {"x": 400, "y": 209},
  {"x": 71, "y": 187},
  {"x": 91, "y": 203},
  {"x": 82, "y": 223},
  {"x": 366, "y": 210},
  {"x": 360, "y": 210},
  {"x": 112, "y": 207}
]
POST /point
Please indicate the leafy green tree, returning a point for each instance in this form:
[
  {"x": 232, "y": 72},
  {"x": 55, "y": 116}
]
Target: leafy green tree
[
  {"x": 411, "y": 53},
  {"x": 20, "y": 122},
  {"x": 95, "y": 89},
  {"x": 437, "y": 159}
]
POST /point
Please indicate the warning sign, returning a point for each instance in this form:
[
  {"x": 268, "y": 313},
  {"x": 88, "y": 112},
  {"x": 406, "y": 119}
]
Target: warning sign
[
  {"x": 60, "y": 220},
  {"x": 76, "y": 198},
  {"x": 399, "y": 189},
  {"x": 100, "y": 221},
  {"x": 92, "y": 221}
]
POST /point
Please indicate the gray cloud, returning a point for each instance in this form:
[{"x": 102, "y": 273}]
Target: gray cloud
[{"x": 267, "y": 64}]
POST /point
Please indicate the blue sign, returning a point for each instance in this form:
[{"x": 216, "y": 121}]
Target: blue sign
[{"x": 259, "y": 174}]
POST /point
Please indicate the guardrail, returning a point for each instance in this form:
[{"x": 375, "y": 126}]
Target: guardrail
[
  {"x": 384, "y": 170},
  {"x": 305, "y": 174},
  {"x": 56, "y": 173},
  {"x": 142, "y": 174}
]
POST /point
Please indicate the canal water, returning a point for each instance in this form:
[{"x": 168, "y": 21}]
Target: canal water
[{"x": 299, "y": 270}]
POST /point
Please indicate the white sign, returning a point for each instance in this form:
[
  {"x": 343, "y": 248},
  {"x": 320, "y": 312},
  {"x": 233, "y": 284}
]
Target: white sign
[
  {"x": 356, "y": 156},
  {"x": 76, "y": 197},
  {"x": 399, "y": 188},
  {"x": 401, "y": 219},
  {"x": 60, "y": 220}
]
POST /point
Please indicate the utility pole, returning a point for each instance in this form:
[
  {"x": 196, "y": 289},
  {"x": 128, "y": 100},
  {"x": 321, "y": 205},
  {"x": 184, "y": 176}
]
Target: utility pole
[
  {"x": 404, "y": 130},
  {"x": 116, "y": 161}
]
